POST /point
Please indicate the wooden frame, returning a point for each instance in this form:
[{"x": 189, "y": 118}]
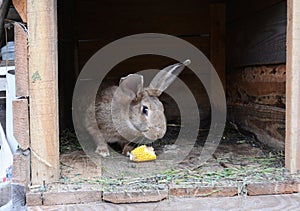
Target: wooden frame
[
  {"x": 43, "y": 86},
  {"x": 292, "y": 141},
  {"x": 43, "y": 90}
]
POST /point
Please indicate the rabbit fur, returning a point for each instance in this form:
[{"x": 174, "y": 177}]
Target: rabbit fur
[{"x": 130, "y": 110}]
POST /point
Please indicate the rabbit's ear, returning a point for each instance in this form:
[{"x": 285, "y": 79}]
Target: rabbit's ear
[
  {"x": 166, "y": 76},
  {"x": 131, "y": 85}
]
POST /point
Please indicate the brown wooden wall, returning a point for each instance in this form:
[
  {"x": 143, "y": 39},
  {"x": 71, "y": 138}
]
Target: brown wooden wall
[
  {"x": 256, "y": 70},
  {"x": 88, "y": 25},
  {"x": 256, "y": 32},
  {"x": 101, "y": 22}
]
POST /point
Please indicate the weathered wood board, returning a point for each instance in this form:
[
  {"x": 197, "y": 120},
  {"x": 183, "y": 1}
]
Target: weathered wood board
[
  {"x": 21, "y": 122},
  {"x": 292, "y": 152},
  {"x": 89, "y": 47},
  {"x": 21, "y": 61},
  {"x": 66, "y": 197},
  {"x": 239, "y": 9},
  {"x": 264, "y": 85},
  {"x": 256, "y": 102},
  {"x": 266, "y": 122},
  {"x": 258, "y": 38},
  {"x": 217, "y": 39},
  {"x": 21, "y": 170},
  {"x": 115, "y": 19},
  {"x": 43, "y": 85}
]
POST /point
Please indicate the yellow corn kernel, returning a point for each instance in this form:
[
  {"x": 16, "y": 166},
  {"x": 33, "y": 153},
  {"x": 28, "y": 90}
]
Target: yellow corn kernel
[{"x": 142, "y": 153}]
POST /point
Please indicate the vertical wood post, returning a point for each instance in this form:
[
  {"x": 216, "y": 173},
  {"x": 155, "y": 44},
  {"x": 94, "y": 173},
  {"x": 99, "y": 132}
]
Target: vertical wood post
[
  {"x": 292, "y": 141},
  {"x": 217, "y": 39},
  {"x": 43, "y": 94},
  {"x": 21, "y": 61}
]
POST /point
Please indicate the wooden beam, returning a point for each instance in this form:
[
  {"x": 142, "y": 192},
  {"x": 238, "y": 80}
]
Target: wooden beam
[
  {"x": 217, "y": 40},
  {"x": 292, "y": 144},
  {"x": 21, "y": 61},
  {"x": 43, "y": 90},
  {"x": 21, "y": 122}
]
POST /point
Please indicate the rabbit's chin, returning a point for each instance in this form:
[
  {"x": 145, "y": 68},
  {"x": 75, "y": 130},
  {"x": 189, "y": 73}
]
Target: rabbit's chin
[{"x": 153, "y": 136}]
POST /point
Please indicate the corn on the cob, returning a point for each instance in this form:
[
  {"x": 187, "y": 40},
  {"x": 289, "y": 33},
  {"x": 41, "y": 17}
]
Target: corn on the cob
[{"x": 142, "y": 153}]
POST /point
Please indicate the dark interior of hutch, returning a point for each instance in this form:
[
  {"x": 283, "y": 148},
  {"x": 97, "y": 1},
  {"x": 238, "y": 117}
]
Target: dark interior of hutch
[{"x": 245, "y": 41}]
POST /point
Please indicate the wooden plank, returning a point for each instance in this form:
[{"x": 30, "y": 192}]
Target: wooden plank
[
  {"x": 259, "y": 38},
  {"x": 136, "y": 196},
  {"x": 21, "y": 122},
  {"x": 203, "y": 191},
  {"x": 89, "y": 47},
  {"x": 254, "y": 189},
  {"x": 21, "y": 170},
  {"x": 264, "y": 85},
  {"x": 217, "y": 40},
  {"x": 292, "y": 146},
  {"x": 21, "y": 61},
  {"x": 43, "y": 85},
  {"x": 253, "y": 203},
  {"x": 117, "y": 18},
  {"x": 240, "y": 9},
  {"x": 266, "y": 122},
  {"x": 63, "y": 197},
  {"x": 20, "y": 6}
]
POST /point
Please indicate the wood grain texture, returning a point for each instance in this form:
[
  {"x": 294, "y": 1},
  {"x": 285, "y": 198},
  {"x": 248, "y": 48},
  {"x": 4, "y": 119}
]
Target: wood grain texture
[
  {"x": 272, "y": 188},
  {"x": 203, "y": 191},
  {"x": 43, "y": 85},
  {"x": 21, "y": 170},
  {"x": 240, "y": 9},
  {"x": 217, "y": 40},
  {"x": 21, "y": 61},
  {"x": 135, "y": 196},
  {"x": 20, "y": 6},
  {"x": 264, "y": 85},
  {"x": 292, "y": 153},
  {"x": 115, "y": 19},
  {"x": 58, "y": 198},
  {"x": 256, "y": 100},
  {"x": 259, "y": 38},
  {"x": 21, "y": 122},
  {"x": 253, "y": 203},
  {"x": 266, "y": 122},
  {"x": 89, "y": 47}
]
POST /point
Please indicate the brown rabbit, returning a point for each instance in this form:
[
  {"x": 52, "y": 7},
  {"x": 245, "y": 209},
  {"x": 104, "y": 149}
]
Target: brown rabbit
[{"x": 130, "y": 111}]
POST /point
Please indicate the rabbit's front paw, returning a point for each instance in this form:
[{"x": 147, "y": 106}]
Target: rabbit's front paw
[
  {"x": 102, "y": 150},
  {"x": 127, "y": 149}
]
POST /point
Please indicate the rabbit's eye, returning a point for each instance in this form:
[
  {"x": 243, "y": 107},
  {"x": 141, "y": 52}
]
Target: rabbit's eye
[{"x": 145, "y": 110}]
